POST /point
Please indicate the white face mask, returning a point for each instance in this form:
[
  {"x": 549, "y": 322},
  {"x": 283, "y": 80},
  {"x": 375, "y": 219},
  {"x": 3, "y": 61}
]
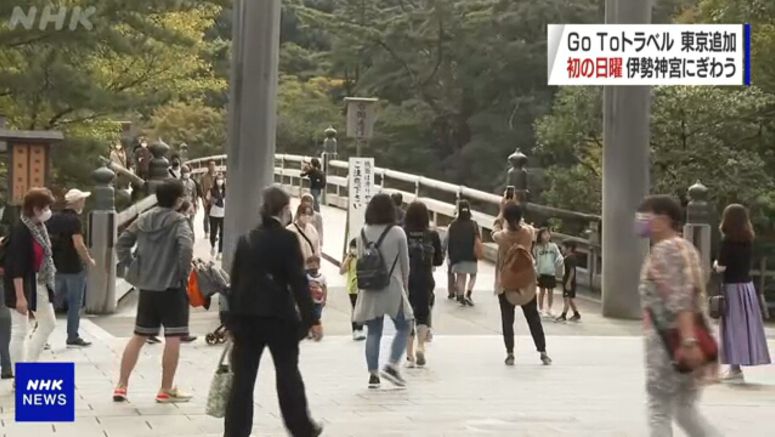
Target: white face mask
[
  {"x": 219, "y": 182},
  {"x": 45, "y": 215}
]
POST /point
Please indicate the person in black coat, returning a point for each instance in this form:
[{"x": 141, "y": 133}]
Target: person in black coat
[
  {"x": 268, "y": 284},
  {"x": 29, "y": 277}
]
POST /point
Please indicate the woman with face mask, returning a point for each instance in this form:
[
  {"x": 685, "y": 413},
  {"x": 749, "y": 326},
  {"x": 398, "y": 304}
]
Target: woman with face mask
[
  {"x": 671, "y": 289},
  {"x": 217, "y": 200},
  {"x": 29, "y": 277},
  {"x": 270, "y": 305},
  {"x": 305, "y": 231}
]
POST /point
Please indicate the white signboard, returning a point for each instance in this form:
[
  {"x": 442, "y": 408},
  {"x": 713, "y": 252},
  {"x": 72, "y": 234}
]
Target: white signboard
[
  {"x": 649, "y": 54},
  {"x": 361, "y": 190},
  {"x": 361, "y": 115}
]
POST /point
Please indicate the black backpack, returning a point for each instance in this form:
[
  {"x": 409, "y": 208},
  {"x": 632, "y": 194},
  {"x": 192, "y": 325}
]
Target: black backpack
[
  {"x": 370, "y": 269},
  {"x": 421, "y": 252}
]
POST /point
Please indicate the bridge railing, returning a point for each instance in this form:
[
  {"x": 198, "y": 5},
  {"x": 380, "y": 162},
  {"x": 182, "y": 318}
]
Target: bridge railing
[{"x": 441, "y": 198}]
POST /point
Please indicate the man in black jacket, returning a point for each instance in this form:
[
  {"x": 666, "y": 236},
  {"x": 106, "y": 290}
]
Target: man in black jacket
[
  {"x": 268, "y": 284},
  {"x": 317, "y": 180}
]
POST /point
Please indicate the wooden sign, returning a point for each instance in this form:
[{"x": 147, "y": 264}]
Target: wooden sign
[
  {"x": 28, "y": 160},
  {"x": 28, "y": 169},
  {"x": 361, "y": 116}
]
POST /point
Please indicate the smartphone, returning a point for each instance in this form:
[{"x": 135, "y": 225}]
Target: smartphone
[{"x": 510, "y": 192}]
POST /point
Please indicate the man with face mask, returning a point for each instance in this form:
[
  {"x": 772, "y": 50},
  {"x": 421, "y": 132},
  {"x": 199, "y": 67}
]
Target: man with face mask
[
  {"x": 70, "y": 256},
  {"x": 175, "y": 170},
  {"x": 142, "y": 159}
]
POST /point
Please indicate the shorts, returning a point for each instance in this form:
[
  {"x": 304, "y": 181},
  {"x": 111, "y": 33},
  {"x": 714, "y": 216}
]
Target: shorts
[
  {"x": 569, "y": 293},
  {"x": 547, "y": 281},
  {"x": 465, "y": 267},
  {"x": 167, "y": 308}
]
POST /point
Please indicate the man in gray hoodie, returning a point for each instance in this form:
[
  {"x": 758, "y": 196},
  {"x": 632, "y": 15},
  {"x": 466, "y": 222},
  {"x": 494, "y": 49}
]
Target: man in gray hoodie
[{"x": 157, "y": 249}]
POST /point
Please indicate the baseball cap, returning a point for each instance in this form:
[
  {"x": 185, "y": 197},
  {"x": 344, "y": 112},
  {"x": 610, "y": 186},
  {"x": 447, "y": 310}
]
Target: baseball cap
[{"x": 75, "y": 195}]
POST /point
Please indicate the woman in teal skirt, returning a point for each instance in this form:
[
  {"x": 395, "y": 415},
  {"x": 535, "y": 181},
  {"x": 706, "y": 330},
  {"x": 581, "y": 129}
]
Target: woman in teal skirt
[{"x": 743, "y": 342}]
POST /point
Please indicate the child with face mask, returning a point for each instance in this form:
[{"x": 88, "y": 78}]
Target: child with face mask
[
  {"x": 318, "y": 287},
  {"x": 349, "y": 268}
]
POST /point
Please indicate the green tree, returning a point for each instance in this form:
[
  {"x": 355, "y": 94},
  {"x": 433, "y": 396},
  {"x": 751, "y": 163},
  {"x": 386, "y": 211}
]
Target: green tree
[{"x": 201, "y": 127}]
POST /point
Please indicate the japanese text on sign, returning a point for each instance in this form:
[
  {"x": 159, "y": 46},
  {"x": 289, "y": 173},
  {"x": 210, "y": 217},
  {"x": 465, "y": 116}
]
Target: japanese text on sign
[
  {"x": 361, "y": 190},
  {"x": 648, "y": 54}
]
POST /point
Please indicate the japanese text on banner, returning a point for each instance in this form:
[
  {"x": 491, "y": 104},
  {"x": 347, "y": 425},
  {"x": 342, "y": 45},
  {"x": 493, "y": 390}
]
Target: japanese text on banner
[{"x": 648, "y": 54}]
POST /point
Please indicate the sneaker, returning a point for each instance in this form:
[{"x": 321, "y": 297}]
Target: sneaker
[
  {"x": 219, "y": 257},
  {"x": 561, "y": 319},
  {"x": 545, "y": 359},
  {"x": 467, "y": 300},
  {"x": 420, "y": 359},
  {"x": 410, "y": 363},
  {"x": 374, "y": 381},
  {"x": 360, "y": 335},
  {"x": 188, "y": 339},
  {"x": 461, "y": 300},
  {"x": 78, "y": 342},
  {"x": 429, "y": 337},
  {"x": 119, "y": 394},
  {"x": 392, "y": 374},
  {"x": 172, "y": 396},
  {"x": 212, "y": 251},
  {"x": 576, "y": 317},
  {"x": 355, "y": 335},
  {"x": 733, "y": 377},
  {"x": 451, "y": 296},
  {"x": 153, "y": 340},
  {"x": 509, "y": 360}
]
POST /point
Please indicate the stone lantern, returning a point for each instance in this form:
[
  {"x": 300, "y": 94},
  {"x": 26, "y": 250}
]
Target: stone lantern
[{"x": 517, "y": 175}]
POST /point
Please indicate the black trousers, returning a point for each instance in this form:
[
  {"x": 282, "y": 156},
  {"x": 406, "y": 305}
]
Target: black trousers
[
  {"x": 251, "y": 336},
  {"x": 216, "y": 232},
  {"x": 353, "y": 300},
  {"x": 530, "y": 310}
]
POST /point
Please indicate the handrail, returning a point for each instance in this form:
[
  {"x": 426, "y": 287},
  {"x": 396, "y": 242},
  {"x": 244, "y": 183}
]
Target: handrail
[
  {"x": 422, "y": 181},
  {"x": 122, "y": 171},
  {"x": 126, "y": 216}
]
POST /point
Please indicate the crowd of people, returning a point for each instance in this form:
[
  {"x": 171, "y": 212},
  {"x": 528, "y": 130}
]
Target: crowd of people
[{"x": 279, "y": 292}]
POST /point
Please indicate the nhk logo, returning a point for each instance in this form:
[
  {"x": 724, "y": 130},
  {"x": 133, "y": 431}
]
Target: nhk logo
[
  {"x": 52, "y": 16},
  {"x": 45, "y": 392}
]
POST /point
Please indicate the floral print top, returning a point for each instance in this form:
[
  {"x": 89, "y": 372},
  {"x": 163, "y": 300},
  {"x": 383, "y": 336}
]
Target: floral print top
[{"x": 669, "y": 284}]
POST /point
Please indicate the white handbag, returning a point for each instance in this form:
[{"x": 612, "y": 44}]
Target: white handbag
[{"x": 220, "y": 387}]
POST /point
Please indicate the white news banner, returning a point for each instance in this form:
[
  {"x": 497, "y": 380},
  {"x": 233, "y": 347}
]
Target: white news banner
[{"x": 648, "y": 54}]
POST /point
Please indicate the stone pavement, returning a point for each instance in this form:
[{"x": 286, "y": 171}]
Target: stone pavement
[{"x": 594, "y": 388}]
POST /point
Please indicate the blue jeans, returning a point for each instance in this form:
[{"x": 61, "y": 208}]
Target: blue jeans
[
  {"x": 316, "y": 192},
  {"x": 72, "y": 287},
  {"x": 375, "y": 336}
]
